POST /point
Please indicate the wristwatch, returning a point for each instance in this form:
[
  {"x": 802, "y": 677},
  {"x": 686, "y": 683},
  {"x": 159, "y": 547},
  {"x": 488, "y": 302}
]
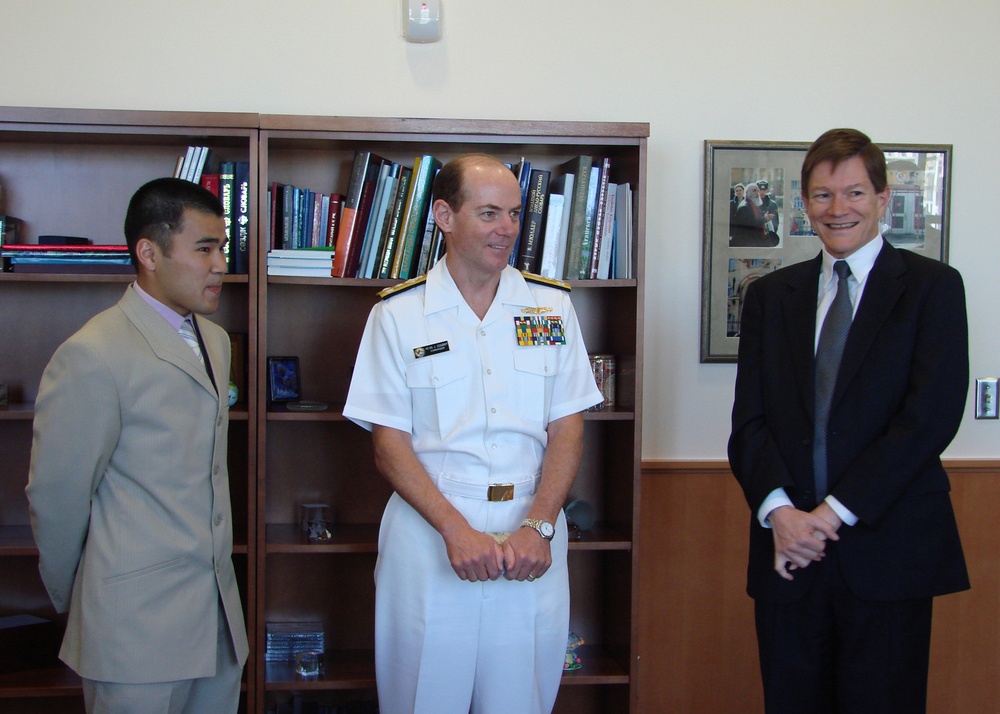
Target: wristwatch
[{"x": 545, "y": 529}]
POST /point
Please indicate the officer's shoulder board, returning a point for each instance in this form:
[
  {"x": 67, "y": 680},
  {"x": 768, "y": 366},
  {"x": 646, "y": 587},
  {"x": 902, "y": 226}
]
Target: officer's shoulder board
[
  {"x": 551, "y": 282},
  {"x": 402, "y": 287}
]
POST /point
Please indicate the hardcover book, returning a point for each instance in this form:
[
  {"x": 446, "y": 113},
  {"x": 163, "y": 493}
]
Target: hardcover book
[
  {"x": 241, "y": 216},
  {"x": 577, "y": 209},
  {"x": 387, "y": 249},
  {"x": 381, "y": 213},
  {"x": 587, "y": 241},
  {"x": 349, "y": 223},
  {"x": 534, "y": 213},
  {"x": 226, "y": 187},
  {"x": 553, "y": 255},
  {"x": 522, "y": 170},
  {"x": 597, "y": 229},
  {"x": 415, "y": 216}
]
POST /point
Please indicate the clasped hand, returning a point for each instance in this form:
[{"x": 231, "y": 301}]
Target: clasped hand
[
  {"x": 800, "y": 536},
  {"x": 476, "y": 556}
]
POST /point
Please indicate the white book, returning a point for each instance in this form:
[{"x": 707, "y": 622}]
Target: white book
[
  {"x": 567, "y": 192},
  {"x": 200, "y": 159},
  {"x": 187, "y": 170},
  {"x": 553, "y": 248},
  {"x": 623, "y": 244},
  {"x": 299, "y": 263},
  {"x": 300, "y": 272},
  {"x": 323, "y": 254}
]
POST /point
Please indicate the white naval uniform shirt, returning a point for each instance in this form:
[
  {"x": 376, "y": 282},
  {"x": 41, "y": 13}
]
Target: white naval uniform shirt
[{"x": 477, "y": 412}]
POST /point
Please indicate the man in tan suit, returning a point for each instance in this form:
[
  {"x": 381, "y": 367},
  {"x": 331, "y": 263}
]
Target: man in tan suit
[{"x": 129, "y": 487}]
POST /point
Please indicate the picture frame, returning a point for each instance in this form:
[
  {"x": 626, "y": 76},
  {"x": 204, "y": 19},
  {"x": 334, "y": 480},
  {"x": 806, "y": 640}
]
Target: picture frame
[
  {"x": 916, "y": 219},
  {"x": 283, "y": 379}
]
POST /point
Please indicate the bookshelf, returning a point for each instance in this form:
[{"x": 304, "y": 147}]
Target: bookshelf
[
  {"x": 305, "y": 457},
  {"x": 73, "y": 171}
]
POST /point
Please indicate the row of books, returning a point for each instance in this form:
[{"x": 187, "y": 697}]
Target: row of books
[
  {"x": 381, "y": 228},
  {"x": 576, "y": 223}
]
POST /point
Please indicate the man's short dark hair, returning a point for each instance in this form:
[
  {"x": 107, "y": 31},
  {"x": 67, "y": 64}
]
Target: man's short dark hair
[
  {"x": 157, "y": 209},
  {"x": 449, "y": 185},
  {"x": 839, "y": 145}
]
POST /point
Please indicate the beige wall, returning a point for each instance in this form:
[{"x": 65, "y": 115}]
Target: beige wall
[{"x": 902, "y": 71}]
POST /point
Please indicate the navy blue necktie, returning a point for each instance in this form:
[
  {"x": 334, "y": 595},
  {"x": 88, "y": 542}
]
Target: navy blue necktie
[{"x": 832, "y": 338}]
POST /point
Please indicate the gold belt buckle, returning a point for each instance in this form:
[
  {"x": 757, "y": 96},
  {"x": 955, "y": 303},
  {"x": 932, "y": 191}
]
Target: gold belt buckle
[{"x": 500, "y": 492}]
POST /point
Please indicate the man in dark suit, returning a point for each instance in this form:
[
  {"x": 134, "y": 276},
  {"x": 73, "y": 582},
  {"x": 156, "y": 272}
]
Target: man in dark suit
[{"x": 851, "y": 540}]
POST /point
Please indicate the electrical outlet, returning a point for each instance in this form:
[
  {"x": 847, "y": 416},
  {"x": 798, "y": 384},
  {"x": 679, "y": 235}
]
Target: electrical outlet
[{"x": 986, "y": 398}]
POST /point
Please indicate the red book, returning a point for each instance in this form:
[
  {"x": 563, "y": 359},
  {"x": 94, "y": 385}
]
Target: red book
[
  {"x": 333, "y": 225},
  {"x": 211, "y": 182},
  {"x": 350, "y": 225}
]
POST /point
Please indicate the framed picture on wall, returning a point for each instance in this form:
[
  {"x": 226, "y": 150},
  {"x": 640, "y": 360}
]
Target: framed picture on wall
[{"x": 742, "y": 242}]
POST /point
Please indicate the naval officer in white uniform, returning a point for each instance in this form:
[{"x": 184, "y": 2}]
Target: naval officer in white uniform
[{"x": 472, "y": 381}]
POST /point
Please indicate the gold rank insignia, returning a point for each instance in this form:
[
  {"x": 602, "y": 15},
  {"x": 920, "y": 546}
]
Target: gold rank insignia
[
  {"x": 536, "y": 310},
  {"x": 537, "y": 330}
]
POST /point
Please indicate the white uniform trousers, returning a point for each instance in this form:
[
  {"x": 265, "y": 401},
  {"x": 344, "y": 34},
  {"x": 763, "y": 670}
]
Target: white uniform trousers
[{"x": 447, "y": 646}]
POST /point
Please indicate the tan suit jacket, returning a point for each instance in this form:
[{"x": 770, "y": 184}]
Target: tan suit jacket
[{"x": 129, "y": 498}]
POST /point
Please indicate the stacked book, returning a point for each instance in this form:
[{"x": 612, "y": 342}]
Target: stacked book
[
  {"x": 301, "y": 262},
  {"x": 286, "y": 639},
  {"x": 89, "y": 259}
]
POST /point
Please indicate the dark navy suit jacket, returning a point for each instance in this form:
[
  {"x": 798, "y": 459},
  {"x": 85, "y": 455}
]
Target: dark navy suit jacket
[{"x": 898, "y": 402}]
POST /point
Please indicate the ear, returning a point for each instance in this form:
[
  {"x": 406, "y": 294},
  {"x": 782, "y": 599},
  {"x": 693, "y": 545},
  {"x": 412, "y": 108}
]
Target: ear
[
  {"x": 148, "y": 253},
  {"x": 883, "y": 200},
  {"x": 442, "y": 215}
]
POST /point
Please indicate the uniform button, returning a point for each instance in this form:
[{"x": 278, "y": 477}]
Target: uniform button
[
  {"x": 483, "y": 333},
  {"x": 219, "y": 422},
  {"x": 493, "y": 446},
  {"x": 434, "y": 379},
  {"x": 494, "y": 410},
  {"x": 489, "y": 371},
  {"x": 218, "y": 519},
  {"x": 215, "y": 470}
]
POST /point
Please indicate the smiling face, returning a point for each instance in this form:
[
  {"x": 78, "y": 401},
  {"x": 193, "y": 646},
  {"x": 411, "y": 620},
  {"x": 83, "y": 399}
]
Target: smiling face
[
  {"x": 187, "y": 278},
  {"x": 481, "y": 233},
  {"x": 843, "y": 206}
]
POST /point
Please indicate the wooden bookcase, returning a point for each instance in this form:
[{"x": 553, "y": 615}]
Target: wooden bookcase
[
  {"x": 73, "y": 171},
  {"x": 308, "y": 457}
]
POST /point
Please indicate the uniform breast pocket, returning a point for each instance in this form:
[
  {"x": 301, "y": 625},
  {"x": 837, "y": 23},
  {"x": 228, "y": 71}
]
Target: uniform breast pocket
[
  {"x": 439, "y": 386},
  {"x": 535, "y": 368}
]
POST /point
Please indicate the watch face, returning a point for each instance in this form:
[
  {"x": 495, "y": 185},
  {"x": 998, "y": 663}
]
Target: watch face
[{"x": 548, "y": 530}]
